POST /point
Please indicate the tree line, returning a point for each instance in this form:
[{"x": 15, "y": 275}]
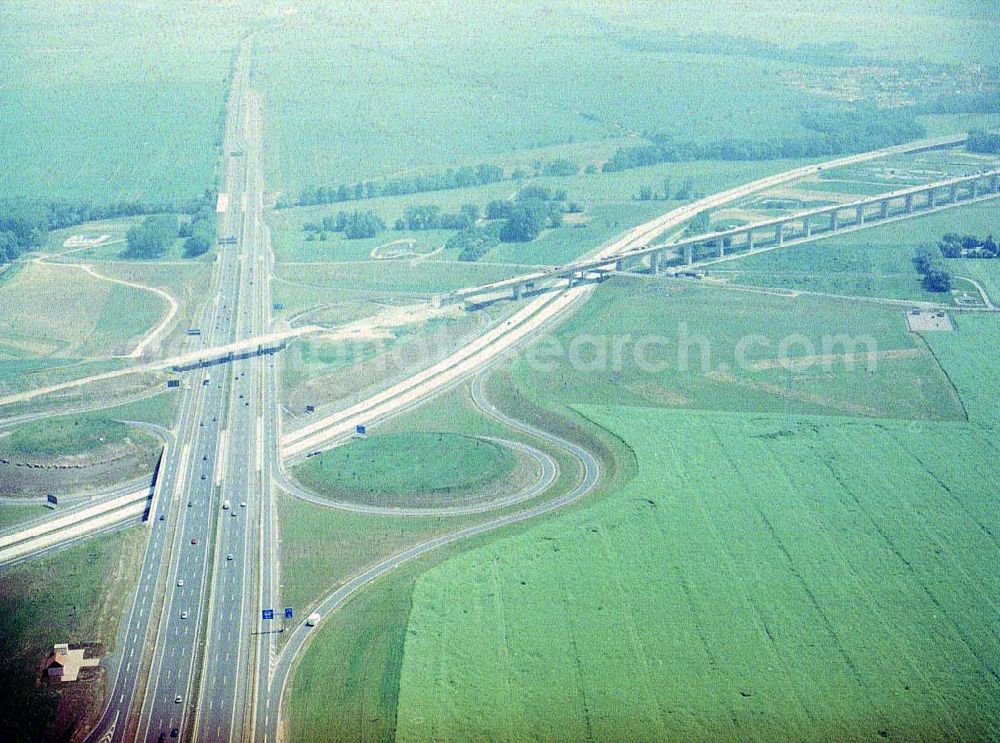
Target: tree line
[{"x": 833, "y": 131}]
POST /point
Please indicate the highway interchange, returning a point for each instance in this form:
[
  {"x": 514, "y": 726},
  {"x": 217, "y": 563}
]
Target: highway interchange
[{"x": 193, "y": 660}]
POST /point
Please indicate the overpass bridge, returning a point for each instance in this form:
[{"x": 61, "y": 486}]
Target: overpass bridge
[{"x": 767, "y": 234}]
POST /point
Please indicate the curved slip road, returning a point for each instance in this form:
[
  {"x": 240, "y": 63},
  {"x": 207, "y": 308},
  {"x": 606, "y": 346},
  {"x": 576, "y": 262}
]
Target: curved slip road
[
  {"x": 549, "y": 473},
  {"x": 269, "y": 706}
]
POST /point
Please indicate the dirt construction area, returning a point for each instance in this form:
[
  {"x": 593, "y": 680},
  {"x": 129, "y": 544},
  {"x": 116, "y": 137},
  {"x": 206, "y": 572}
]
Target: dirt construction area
[{"x": 920, "y": 321}]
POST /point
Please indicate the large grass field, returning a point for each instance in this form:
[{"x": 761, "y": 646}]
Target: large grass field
[
  {"x": 104, "y": 101},
  {"x": 61, "y": 312},
  {"x": 77, "y": 595},
  {"x": 678, "y": 344},
  {"x": 763, "y": 577},
  {"x": 876, "y": 262},
  {"x": 397, "y": 468}
]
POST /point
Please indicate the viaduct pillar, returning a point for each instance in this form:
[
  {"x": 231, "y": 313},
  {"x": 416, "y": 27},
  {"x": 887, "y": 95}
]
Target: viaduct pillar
[
  {"x": 720, "y": 246},
  {"x": 779, "y": 233},
  {"x": 689, "y": 254},
  {"x": 807, "y": 228},
  {"x": 884, "y": 209},
  {"x": 833, "y": 221},
  {"x": 953, "y": 193},
  {"x": 860, "y": 214},
  {"x": 930, "y": 197},
  {"x": 908, "y": 203}
]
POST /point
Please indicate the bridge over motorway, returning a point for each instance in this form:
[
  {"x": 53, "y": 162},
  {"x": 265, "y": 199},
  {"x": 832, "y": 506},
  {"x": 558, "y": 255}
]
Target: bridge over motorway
[{"x": 767, "y": 234}]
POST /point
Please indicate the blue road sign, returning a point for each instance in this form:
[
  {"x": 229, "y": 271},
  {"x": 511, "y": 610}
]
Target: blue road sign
[
  {"x": 360, "y": 429},
  {"x": 288, "y": 612},
  {"x": 267, "y": 613}
]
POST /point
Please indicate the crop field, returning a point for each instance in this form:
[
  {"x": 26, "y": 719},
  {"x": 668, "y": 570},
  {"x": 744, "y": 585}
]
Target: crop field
[
  {"x": 876, "y": 262},
  {"x": 389, "y": 469},
  {"x": 761, "y": 577},
  {"x": 105, "y": 101},
  {"x": 62, "y": 312},
  {"x": 77, "y": 596},
  {"x": 471, "y": 110},
  {"x": 961, "y": 354},
  {"x": 677, "y": 344}
]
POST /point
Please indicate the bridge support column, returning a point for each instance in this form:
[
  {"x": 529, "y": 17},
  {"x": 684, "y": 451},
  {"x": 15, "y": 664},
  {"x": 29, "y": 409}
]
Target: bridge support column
[
  {"x": 807, "y": 228},
  {"x": 884, "y": 209},
  {"x": 654, "y": 262},
  {"x": 974, "y": 189},
  {"x": 720, "y": 246},
  {"x": 519, "y": 291},
  {"x": 834, "y": 223},
  {"x": 689, "y": 254},
  {"x": 994, "y": 183},
  {"x": 931, "y": 194},
  {"x": 860, "y": 211},
  {"x": 779, "y": 233},
  {"x": 908, "y": 203},
  {"x": 953, "y": 193},
  {"x": 620, "y": 265},
  {"x": 749, "y": 240}
]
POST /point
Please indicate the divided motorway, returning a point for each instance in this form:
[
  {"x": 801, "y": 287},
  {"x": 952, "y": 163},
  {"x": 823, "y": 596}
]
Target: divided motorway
[{"x": 157, "y": 655}]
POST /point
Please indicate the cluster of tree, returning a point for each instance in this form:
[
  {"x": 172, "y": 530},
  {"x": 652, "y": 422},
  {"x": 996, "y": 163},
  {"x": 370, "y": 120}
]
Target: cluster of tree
[
  {"x": 23, "y": 226},
  {"x": 560, "y": 167},
  {"x": 432, "y": 218},
  {"x": 452, "y": 178},
  {"x": 684, "y": 191},
  {"x": 199, "y": 233},
  {"x": 983, "y": 141},
  {"x": 475, "y": 241},
  {"x": 699, "y": 224},
  {"x": 355, "y": 225},
  {"x": 533, "y": 209},
  {"x": 151, "y": 237},
  {"x": 834, "y": 131},
  {"x": 930, "y": 264},
  {"x": 953, "y": 245}
]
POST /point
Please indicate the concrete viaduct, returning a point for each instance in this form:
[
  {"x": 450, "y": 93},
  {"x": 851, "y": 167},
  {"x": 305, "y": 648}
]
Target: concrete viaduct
[{"x": 765, "y": 235}]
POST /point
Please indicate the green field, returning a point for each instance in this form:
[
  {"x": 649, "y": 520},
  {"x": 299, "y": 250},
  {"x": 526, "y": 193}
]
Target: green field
[
  {"x": 104, "y": 101},
  {"x": 680, "y": 344},
  {"x": 394, "y": 469},
  {"x": 876, "y": 262},
  {"x": 78, "y": 596},
  {"x": 763, "y": 577}
]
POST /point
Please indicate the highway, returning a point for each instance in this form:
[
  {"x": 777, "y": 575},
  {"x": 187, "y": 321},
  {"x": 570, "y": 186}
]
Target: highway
[{"x": 157, "y": 647}]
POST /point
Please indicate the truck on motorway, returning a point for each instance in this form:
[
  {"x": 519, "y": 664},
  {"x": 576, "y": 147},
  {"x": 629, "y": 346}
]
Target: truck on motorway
[
  {"x": 312, "y": 619},
  {"x": 194, "y": 331},
  {"x": 225, "y": 505}
]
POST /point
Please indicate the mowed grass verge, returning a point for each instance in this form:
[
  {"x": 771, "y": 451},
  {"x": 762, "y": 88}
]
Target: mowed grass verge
[
  {"x": 72, "y": 435},
  {"x": 396, "y": 468},
  {"x": 763, "y": 577}
]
